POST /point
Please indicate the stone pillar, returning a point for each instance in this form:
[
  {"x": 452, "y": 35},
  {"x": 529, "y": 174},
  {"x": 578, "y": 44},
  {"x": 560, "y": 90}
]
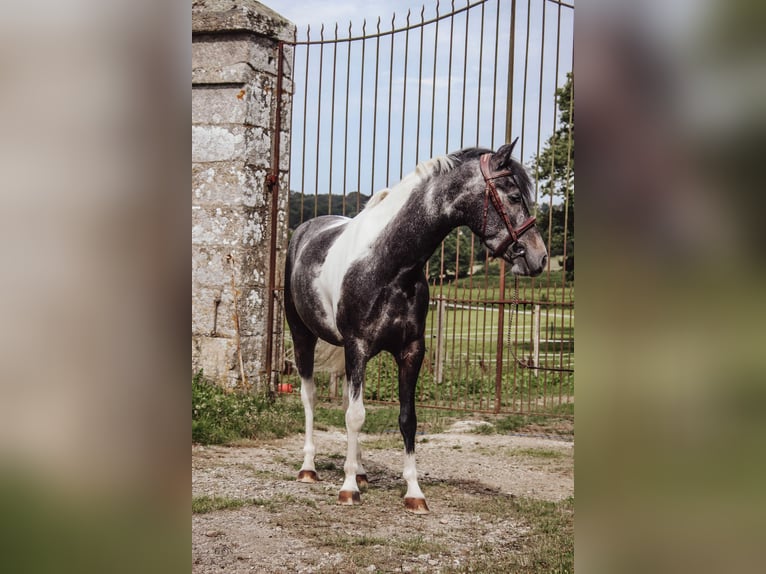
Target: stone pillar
[{"x": 235, "y": 56}]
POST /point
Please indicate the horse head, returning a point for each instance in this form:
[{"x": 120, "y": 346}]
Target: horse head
[{"x": 505, "y": 225}]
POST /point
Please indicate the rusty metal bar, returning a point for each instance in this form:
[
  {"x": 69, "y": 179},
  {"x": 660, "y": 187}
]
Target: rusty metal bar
[
  {"x": 305, "y": 114},
  {"x": 380, "y": 34},
  {"x": 566, "y": 211},
  {"x": 478, "y": 93},
  {"x": 521, "y": 301},
  {"x": 501, "y": 294},
  {"x": 454, "y": 318},
  {"x": 510, "y": 68},
  {"x": 420, "y": 92},
  {"x": 537, "y": 159},
  {"x": 437, "y": 407},
  {"x": 524, "y": 89},
  {"x": 465, "y": 76},
  {"x": 433, "y": 87},
  {"x": 361, "y": 120},
  {"x": 550, "y": 199},
  {"x": 449, "y": 78},
  {"x": 555, "y": 107},
  {"x": 404, "y": 92},
  {"x": 273, "y": 183},
  {"x": 332, "y": 118},
  {"x": 319, "y": 123},
  {"x": 540, "y": 101},
  {"x": 484, "y": 379},
  {"x": 390, "y": 101},
  {"x": 375, "y": 109},
  {"x": 470, "y": 309},
  {"x": 500, "y": 333},
  {"x": 345, "y": 125}
]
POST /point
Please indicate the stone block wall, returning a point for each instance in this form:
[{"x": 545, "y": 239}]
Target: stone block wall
[{"x": 234, "y": 97}]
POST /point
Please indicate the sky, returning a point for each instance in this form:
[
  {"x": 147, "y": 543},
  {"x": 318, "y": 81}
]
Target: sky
[
  {"x": 392, "y": 140},
  {"x": 303, "y": 13}
]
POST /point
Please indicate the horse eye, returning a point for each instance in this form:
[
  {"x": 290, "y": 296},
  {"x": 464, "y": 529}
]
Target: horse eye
[{"x": 515, "y": 197}]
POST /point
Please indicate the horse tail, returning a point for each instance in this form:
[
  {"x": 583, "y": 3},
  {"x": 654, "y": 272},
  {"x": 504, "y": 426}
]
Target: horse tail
[{"x": 329, "y": 358}]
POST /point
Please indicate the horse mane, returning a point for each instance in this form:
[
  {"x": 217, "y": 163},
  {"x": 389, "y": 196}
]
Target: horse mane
[{"x": 443, "y": 164}]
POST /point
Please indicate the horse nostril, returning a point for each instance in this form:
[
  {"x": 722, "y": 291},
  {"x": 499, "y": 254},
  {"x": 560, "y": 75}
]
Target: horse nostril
[{"x": 544, "y": 261}]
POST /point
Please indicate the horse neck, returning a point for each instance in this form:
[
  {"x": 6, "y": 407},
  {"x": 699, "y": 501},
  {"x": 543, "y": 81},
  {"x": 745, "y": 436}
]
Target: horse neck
[{"x": 419, "y": 227}]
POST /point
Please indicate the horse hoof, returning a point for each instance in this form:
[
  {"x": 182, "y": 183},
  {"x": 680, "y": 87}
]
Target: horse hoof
[
  {"x": 416, "y": 505},
  {"x": 308, "y": 476},
  {"x": 361, "y": 481},
  {"x": 349, "y": 497}
]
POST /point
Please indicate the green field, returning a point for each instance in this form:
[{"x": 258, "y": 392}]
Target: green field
[{"x": 460, "y": 368}]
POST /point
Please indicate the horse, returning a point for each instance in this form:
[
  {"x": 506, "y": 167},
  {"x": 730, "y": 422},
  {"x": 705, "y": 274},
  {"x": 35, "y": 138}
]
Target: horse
[{"x": 359, "y": 284}]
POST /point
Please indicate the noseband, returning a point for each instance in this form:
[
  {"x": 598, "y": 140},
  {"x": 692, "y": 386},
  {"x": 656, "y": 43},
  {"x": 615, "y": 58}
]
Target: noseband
[{"x": 490, "y": 193}]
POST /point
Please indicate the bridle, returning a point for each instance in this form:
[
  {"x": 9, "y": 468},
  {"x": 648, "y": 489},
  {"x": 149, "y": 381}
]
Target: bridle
[{"x": 491, "y": 194}]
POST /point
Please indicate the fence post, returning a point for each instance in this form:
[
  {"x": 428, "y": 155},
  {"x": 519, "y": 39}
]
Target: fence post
[
  {"x": 500, "y": 333},
  {"x": 236, "y": 68},
  {"x": 439, "y": 374},
  {"x": 535, "y": 338}
]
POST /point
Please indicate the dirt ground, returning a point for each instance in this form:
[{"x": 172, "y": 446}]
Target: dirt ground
[{"x": 287, "y": 526}]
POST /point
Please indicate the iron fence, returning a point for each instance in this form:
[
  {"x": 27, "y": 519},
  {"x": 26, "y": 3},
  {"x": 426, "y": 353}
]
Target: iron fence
[{"x": 368, "y": 105}]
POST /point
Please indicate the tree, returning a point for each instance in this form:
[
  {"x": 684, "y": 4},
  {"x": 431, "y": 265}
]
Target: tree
[
  {"x": 463, "y": 235},
  {"x": 554, "y": 170}
]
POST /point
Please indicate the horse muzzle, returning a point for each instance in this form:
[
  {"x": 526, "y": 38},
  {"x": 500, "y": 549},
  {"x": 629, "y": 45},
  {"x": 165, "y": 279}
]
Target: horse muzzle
[{"x": 522, "y": 263}]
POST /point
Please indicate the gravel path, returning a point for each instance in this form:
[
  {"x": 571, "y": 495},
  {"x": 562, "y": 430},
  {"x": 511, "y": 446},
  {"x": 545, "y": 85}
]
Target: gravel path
[{"x": 286, "y": 526}]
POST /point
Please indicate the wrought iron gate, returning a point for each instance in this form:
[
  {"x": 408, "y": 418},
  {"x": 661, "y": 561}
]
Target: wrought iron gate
[{"x": 369, "y": 104}]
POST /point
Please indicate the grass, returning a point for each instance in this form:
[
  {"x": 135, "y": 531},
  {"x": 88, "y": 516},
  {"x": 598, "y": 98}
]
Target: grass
[
  {"x": 376, "y": 421},
  {"x": 485, "y": 429},
  {"x": 386, "y": 442},
  {"x": 344, "y": 541},
  {"x": 382, "y": 419},
  {"x": 539, "y": 539},
  {"x": 547, "y": 547},
  {"x": 536, "y": 536},
  {"x": 205, "y": 504},
  {"x": 544, "y": 288},
  {"x": 234, "y": 418},
  {"x": 539, "y": 453},
  {"x": 224, "y": 417}
]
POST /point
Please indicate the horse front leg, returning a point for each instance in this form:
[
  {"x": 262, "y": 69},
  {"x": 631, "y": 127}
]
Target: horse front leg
[
  {"x": 361, "y": 474},
  {"x": 356, "y": 361},
  {"x": 409, "y": 361}
]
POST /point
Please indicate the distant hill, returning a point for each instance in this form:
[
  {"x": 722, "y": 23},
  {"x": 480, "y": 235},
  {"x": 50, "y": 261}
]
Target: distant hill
[{"x": 304, "y": 207}]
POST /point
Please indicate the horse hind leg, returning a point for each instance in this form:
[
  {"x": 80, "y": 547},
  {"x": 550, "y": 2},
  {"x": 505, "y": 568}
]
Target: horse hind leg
[
  {"x": 304, "y": 343},
  {"x": 308, "y": 471}
]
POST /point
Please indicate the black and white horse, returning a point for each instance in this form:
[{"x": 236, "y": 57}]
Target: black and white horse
[{"x": 359, "y": 283}]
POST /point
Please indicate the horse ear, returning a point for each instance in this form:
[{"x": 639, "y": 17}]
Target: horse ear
[{"x": 503, "y": 156}]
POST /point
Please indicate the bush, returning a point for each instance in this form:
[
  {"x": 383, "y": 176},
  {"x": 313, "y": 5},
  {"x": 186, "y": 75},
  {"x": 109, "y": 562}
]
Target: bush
[{"x": 220, "y": 416}]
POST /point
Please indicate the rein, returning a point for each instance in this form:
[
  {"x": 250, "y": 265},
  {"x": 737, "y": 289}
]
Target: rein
[{"x": 491, "y": 194}]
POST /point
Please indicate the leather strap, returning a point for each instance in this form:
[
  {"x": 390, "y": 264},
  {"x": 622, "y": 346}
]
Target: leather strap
[{"x": 491, "y": 194}]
